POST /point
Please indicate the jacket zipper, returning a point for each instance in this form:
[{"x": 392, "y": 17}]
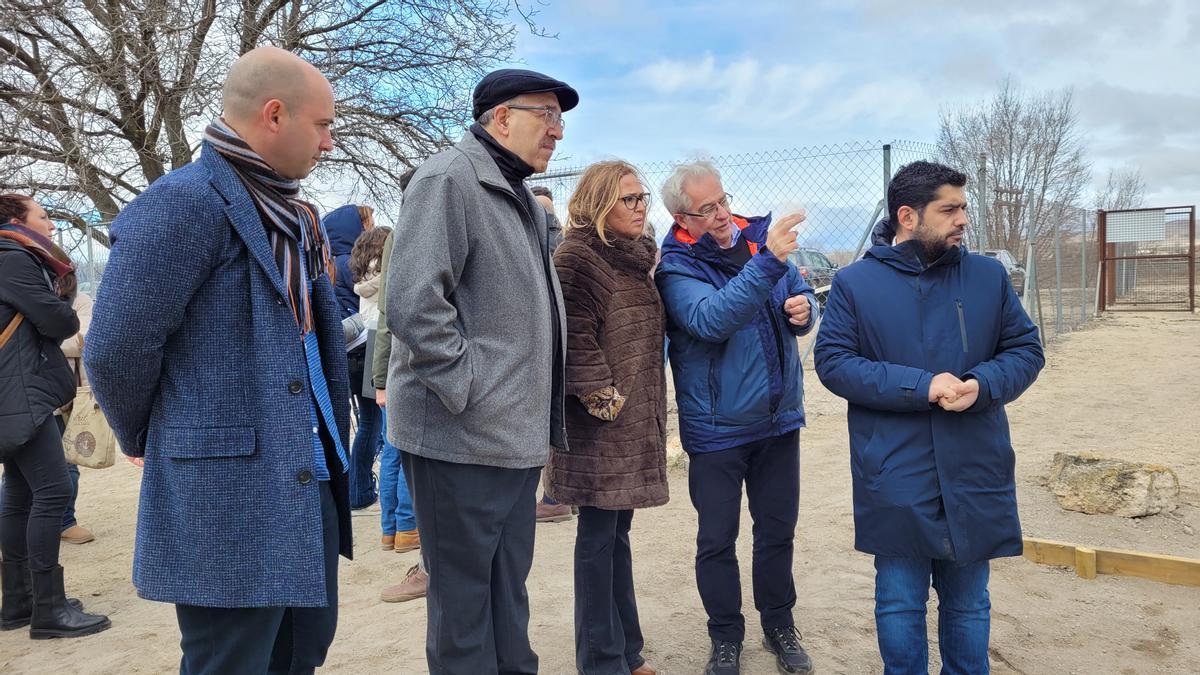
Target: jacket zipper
[
  {"x": 778, "y": 352},
  {"x": 712, "y": 391},
  {"x": 962, "y": 323}
]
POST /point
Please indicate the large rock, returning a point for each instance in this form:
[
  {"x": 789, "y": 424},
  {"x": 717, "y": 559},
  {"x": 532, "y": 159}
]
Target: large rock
[{"x": 1093, "y": 484}]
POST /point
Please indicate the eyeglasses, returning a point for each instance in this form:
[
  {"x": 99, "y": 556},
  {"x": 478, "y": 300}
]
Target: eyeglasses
[
  {"x": 553, "y": 116},
  {"x": 709, "y": 210},
  {"x": 631, "y": 201}
]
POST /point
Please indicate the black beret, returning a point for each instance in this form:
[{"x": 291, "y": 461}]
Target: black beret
[{"x": 499, "y": 86}]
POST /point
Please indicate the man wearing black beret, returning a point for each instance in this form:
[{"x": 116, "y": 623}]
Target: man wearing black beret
[{"x": 475, "y": 382}]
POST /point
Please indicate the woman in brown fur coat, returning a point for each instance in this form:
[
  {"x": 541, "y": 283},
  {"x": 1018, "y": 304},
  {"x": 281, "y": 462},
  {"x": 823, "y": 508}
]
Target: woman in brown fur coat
[{"x": 616, "y": 407}]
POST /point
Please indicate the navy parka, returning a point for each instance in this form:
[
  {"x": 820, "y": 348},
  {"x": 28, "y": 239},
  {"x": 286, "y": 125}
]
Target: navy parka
[{"x": 929, "y": 483}]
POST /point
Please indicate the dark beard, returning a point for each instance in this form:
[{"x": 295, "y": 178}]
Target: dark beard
[
  {"x": 932, "y": 246},
  {"x": 933, "y": 250}
]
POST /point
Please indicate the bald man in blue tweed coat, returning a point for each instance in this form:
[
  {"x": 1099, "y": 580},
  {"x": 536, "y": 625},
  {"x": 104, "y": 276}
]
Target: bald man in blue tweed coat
[{"x": 217, "y": 354}]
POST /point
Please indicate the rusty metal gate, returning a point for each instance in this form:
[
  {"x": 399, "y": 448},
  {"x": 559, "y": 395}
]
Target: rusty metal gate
[{"x": 1147, "y": 259}]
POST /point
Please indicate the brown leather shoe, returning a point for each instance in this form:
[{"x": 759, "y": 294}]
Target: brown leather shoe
[
  {"x": 407, "y": 541},
  {"x": 387, "y": 542},
  {"x": 77, "y": 534},
  {"x": 413, "y": 587},
  {"x": 552, "y": 513},
  {"x": 644, "y": 669}
]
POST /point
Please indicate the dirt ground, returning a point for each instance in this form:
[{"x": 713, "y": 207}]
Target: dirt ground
[{"x": 1128, "y": 386}]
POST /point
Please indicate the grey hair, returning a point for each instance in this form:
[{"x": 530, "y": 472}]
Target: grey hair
[
  {"x": 489, "y": 114},
  {"x": 673, "y": 196}
]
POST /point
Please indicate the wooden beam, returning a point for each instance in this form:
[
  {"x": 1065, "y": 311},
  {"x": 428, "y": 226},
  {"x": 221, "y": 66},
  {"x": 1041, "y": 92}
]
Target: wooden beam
[
  {"x": 1046, "y": 552},
  {"x": 1088, "y": 562},
  {"x": 1085, "y": 562}
]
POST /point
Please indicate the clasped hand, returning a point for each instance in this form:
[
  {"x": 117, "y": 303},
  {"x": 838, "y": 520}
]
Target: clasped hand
[{"x": 953, "y": 394}]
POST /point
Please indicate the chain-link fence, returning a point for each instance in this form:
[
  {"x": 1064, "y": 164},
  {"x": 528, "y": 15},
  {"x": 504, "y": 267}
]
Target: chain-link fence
[
  {"x": 1058, "y": 284},
  {"x": 87, "y": 253},
  {"x": 841, "y": 187}
]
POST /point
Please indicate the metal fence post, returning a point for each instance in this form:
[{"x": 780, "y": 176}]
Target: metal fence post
[
  {"x": 1058, "y": 303},
  {"x": 1102, "y": 273},
  {"x": 1083, "y": 286},
  {"x": 887, "y": 172},
  {"x": 982, "y": 229}
]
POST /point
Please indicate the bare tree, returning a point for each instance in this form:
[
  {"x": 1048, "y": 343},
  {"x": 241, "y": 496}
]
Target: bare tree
[
  {"x": 1124, "y": 189},
  {"x": 1035, "y": 158},
  {"x": 100, "y": 99}
]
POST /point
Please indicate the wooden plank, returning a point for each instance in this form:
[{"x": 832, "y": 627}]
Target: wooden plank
[
  {"x": 1047, "y": 552},
  {"x": 1165, "y": 568},
  {"x": 1085, "y": 562}
]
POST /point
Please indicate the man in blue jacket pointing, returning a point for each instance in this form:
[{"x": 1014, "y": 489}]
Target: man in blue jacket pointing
[
  {"x": 734, "y": 308},
  {"x": 927, "y": 343}
]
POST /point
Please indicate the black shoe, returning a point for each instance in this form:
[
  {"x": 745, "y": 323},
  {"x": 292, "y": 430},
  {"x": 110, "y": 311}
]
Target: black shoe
[
  {"x": 784, "y": 643},
  {"x": 53, "y": 617},
  {"x": 724, "y": 658},
  {"x": 17, "y": 604}
]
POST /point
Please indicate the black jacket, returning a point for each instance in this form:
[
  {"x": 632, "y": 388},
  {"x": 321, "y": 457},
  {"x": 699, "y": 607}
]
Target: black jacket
[{"x": 35, "y": 379}]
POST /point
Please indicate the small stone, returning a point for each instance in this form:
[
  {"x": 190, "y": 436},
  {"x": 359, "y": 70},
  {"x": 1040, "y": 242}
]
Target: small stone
[
  {"x": 1092, "y": 484},
  {"x": 1187, "y": 529}
]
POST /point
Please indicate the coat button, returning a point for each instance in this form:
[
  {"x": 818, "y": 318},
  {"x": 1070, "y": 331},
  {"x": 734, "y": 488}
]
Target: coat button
[
  {"x": 279, "y": 299},
  {"x": 305, "y": 477},
  {"x": 295, "y": 387}
]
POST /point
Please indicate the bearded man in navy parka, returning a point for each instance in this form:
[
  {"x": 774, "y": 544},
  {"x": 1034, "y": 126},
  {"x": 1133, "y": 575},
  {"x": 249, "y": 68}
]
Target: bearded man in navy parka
[{"x": 928, "y": 342}]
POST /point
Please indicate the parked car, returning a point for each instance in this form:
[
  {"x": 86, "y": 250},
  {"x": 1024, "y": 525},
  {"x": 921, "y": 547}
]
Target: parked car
[
  {"x": 816, "y": 269},
  {"x": 1015, "y": 271}
]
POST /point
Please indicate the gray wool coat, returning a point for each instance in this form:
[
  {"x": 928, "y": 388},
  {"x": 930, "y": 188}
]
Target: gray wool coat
[{"x": 476, "y": 312}]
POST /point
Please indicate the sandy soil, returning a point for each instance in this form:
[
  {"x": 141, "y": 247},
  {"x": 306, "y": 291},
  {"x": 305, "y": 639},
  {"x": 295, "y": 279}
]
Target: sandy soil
[{"x": 1128, "y": 386}]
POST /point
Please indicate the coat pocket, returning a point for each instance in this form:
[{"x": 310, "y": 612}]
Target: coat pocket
[{"x": 205, "y": 442}]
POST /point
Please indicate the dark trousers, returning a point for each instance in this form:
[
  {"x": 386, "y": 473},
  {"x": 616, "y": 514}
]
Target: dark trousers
[
  {"x": 477, "y": 525},
  {"x": 36, "y": 491},
  {"x": 255, "y": 640},
  {"x": 770, "y": 469},
  {"x": 608, "y": 636}
]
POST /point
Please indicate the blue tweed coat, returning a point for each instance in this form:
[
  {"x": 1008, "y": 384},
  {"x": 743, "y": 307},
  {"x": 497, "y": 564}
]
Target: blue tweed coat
[{"x": 194, "y": 357}]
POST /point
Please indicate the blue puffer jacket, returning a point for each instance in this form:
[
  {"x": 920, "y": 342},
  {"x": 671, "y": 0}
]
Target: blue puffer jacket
[
  {"x": 344, "y": 226},
  {"x": 733, "y": 352},
  {"x": 928, "y": 483}
]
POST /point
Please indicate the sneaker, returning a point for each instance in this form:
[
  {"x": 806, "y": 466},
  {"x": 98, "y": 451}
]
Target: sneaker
[
  {"x": 724, "y": 658},
  {"x": 790, "y": 657},
  {"x": 407, "y": 541},
  {"x": 553, "y": 513},
  {"x": 77, "y": 534},
  {"x": 414, "y": 585}
]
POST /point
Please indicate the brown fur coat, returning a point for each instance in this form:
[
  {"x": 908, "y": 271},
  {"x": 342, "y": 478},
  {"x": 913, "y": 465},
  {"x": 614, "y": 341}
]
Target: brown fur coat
[{"x": 615, "y": 330}]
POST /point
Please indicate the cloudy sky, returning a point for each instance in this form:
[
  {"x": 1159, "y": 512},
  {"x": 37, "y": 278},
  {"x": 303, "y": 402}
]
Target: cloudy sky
[{"x": 664, "y": 80}]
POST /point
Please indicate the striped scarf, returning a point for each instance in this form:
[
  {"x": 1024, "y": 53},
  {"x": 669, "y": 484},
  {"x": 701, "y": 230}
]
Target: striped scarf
[
  {"x": 41, "y": 246},
  {"x": 292, "y": 223}
]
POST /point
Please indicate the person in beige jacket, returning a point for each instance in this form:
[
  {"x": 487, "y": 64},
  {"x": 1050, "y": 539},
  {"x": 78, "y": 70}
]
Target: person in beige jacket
[{"x": 72, "y": 347}]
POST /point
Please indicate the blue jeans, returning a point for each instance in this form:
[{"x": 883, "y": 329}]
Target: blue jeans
[
  {"x": 395, "y": 502},
  {"x": 363, "y": 451},
  {"x": 901, "y": 591}
]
